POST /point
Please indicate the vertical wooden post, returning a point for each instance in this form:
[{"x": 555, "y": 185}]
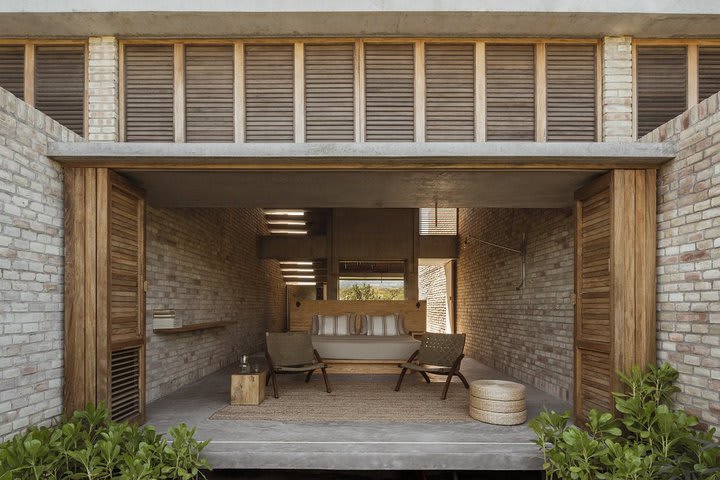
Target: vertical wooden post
[
  {"x": 599, "y": 66},
  {"x": 540, "y": 93},
  {"x": 693, "y": 81},
  {"x": 299, "y": 93},
  {"x": 419, "y": 91},
  {"x": 359, "y": 91},
  {"x": 239, "y": 91},
  {"x": 480, "y": 92},
  {"x": 29, "y": 74},
  {"x": 179, "y": 89}
]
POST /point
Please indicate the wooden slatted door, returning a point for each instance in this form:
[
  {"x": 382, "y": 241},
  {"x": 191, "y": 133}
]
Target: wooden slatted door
[
  {"x": 12, "y": 69},
  {"x": 126, "y": 276},
  {"x": 60, "y": 84},
  {"x": 661, "y": 86},
  {"x": 614, "y": 284},
  {"x": 709, "y": 71}
]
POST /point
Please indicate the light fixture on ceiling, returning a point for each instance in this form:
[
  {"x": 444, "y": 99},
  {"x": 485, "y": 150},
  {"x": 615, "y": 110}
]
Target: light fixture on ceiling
[
  {"x": 286, "y": 222},
  {"x": 299, "y": 270},
  {"x": 293, "y": 262},
  {"x": 308, "y": 284},
  {"x": 288, "y": 213},
  {"x": 287, "y": 231}
]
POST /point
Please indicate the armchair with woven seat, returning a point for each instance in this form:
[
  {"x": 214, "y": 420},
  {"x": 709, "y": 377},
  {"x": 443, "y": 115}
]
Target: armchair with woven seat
[
  {"x": 292, "y": 352},
  {"x": 439, "y": 354}
]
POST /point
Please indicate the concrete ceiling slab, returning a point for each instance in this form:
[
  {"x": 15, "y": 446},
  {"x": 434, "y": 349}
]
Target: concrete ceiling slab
[{"x": 360, "y": 189}]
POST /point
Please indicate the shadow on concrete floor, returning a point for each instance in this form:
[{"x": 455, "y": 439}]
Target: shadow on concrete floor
[{"x": 367, "y": 475}]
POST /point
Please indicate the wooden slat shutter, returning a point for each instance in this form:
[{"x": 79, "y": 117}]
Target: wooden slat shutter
[
  {"x": 12, "y": 69},
  {"x": 571, "y": 95},
  {"x": 209, "y": 94},
  {"x": 450, "y": 92},
  {"x": 709, "y": 71},
  {"x": 329, "y": 93},
  {"x": 510, "y": 81},
  {"x": 149, "y": 93},
  {"x": 126, "y": 252},
  {"x": 389, "y": 92},
  {"x": 661, "y": 86},
  {"x": 60, "y": 84},
  {"x": 593, "y": 323},
  {"x": 269, "y": 91}
]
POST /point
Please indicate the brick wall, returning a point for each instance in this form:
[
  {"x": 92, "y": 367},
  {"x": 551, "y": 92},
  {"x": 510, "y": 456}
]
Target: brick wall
[
  {"x": 432, "y": 283},
  {"x": 617, "y": 89},
  {"x": 31, "y": 267},
  {"x": 203, "y": 263},
  {"x": 688, "y": 272},
  {"x": 527, "y": 334},
  {"x": 102, "y": 89}
]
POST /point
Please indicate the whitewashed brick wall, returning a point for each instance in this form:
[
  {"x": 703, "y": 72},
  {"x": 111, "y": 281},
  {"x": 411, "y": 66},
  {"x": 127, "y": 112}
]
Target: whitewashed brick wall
[
  {"x": 527, "y": 334},
  {"x": 203, "y": 263},
  {"x": 432, "y": 287},
  {"x": 103, "y": 74},
  {"x": 31, "y": 267},
  {"x": 617, "y": 114},
  {"x": 688, "y": 272}
]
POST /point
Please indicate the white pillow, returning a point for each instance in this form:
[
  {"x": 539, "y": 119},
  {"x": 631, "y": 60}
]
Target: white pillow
[
  {"x": 387, "y": 325},
  {"x": 333, "y": 325}
]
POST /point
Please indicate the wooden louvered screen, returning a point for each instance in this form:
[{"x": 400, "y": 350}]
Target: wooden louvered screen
[
  {"x": 709, "y": 71},
  {"x": 269, "y": 91},
  {"x": 60, "y": 84},
  {"x": 510, "y": 83},
  {"x": 593, "y": 324},
  {"x": 389, "y": 92},
  {"x": 12, "y": 69},
  {"x": 126, "y": 401},
  {"x": 450, "y": 92},
  {"x": 438, "y": 221},
  {"x": 661, "y": 86},
  {"x": 329, "y": 93},
  {"x": 149, "y": 93},
  {"x": 571, "y": 93},
  {"x": 209, "y": 94}
]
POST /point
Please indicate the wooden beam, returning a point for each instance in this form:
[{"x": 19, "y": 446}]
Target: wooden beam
[
  {"x": 693, "y": 81},
  {"x": 121, "y": 92},
  {"x": 29, "y": 75},
  {"x": 299, "y": 92},
  {"x": 179, "y": 91},
  {"x": 540, "y": 92},
  {"x": 419, "y": 91},
  {"x": 359, "y": 91},
  {"x": 599, "y": 66},
  {"x": 239, "y": 91},
  {"x": 645, "y": 265},
  {"x": 102, "y": 254},
  {"x": 480, "y": 92}
]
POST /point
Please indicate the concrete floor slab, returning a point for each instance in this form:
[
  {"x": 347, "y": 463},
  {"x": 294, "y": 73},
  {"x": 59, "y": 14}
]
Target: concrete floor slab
[{"x": 351, "y": 445}]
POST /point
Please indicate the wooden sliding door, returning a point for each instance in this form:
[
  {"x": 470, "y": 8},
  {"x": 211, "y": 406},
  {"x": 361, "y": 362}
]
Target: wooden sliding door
[
  {"x": 105, "y": 294},
  {"x": 614, "y": 284}
]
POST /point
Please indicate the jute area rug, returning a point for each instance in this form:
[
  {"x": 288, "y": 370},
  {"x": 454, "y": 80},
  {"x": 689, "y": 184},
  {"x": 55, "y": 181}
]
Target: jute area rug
[{"x": 355, "y": 401}]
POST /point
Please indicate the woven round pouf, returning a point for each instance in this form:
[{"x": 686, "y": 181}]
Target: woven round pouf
[{"x": 498, "y": 402}]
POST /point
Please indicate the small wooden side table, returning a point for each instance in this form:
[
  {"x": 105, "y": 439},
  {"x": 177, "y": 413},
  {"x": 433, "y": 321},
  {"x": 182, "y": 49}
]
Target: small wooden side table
[{"x": 247, "y": 388}]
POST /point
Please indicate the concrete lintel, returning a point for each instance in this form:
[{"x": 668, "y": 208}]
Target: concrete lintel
[
  {"x": 341, "y": 156},
  {"x": 281, "y": 247}
]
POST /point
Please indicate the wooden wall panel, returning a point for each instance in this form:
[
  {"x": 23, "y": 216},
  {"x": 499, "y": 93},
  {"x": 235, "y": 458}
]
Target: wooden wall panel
[
  {"x": 450, "y": 92},
  {"x": 269, "y": 93},
  {"x": 329, "y": 93},
  {"x": 389, "y": 92},
  {"x": 149, "y": 115},
  {"x": 12, "y": 69},
  {"x": 414, "y": 312},
  {"x": 709, "y": 71},
  {"x": 510, "y": 91},
  {"x": 60, "y": 84},
  {"x": 662, "y": 85},
  {"x": 571, "y": 92},
  {"x": 209, "y": 93}
]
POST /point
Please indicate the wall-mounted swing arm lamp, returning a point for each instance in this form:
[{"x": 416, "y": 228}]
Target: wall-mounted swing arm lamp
[{"x": 522, "y": 251}]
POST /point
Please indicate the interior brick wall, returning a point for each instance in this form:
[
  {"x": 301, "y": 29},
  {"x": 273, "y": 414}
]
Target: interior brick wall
[
  {"x": 432, "y": 284},
  {"x": 527, "y": 333},
  {"x": 203, "y": 264},
  {"x": 31, "y": 267},
  {"x": 688, "y": 257}
]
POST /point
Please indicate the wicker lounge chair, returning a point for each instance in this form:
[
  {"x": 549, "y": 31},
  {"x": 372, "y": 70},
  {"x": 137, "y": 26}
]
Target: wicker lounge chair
[
  {"x": 292, "y": 352},
  {"x": 438, "y": 354}
]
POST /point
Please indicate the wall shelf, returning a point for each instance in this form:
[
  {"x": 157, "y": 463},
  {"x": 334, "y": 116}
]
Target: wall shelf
[{"x": 191, "y": 328}]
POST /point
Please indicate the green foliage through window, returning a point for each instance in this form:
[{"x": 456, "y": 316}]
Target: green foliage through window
[{"x": 374, "y": 290}]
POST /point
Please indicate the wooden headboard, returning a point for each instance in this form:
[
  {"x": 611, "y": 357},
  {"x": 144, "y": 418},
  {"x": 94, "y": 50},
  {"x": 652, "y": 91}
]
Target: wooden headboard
[{"x": 413, "y": 311}]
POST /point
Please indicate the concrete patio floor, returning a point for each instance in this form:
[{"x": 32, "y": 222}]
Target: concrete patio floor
[{"x": 351, "y": 445}]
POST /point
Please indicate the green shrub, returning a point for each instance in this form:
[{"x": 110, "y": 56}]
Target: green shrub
[
  {"x": 91, "y": 446},
  {"x": 649, "y": 440}
]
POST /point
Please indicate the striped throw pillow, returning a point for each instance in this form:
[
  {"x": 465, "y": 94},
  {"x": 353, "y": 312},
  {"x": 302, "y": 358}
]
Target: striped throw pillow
[
  {"x": 336, "y": 325},
  {"x": 387, "y": 325}
]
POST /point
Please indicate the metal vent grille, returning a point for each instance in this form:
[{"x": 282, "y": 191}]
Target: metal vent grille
[
  {"x": 12, "y": 69},
  {"x": 440, "y": 221},
  {"x": 269, "y": 90},
  {"x": 60, "y": 84},
  {"x": 571, "y": 95},
  {"x": 125, "y": 401},
  {"x": 709, "y": 69},
  {"x": 209, "y": 94},
  {"x": 389, "y": 92},
  {"x": 450, "y": 92},
  {"x": 149, "y": 111},
  {"x": 661, "y": 86},
  {"x": 510, "y": 80}
]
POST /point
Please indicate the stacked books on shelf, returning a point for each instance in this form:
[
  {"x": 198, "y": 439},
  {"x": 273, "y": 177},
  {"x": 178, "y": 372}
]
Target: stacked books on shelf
[{"x": 163, "y": 319}]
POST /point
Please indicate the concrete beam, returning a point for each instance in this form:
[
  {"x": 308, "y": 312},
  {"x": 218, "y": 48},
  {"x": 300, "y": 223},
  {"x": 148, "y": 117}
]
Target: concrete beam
[
  {"x": 362, "y": 156},
  {"x": 307, "y": 18},
  {"x": 281, "y": 247},
  {"x": 438, "y": 246}
]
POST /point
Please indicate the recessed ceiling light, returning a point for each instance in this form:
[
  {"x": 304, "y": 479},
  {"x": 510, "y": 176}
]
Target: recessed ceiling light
[
  {"x": 288, "y": 231},
  {"x": 289, "y": 213}
]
